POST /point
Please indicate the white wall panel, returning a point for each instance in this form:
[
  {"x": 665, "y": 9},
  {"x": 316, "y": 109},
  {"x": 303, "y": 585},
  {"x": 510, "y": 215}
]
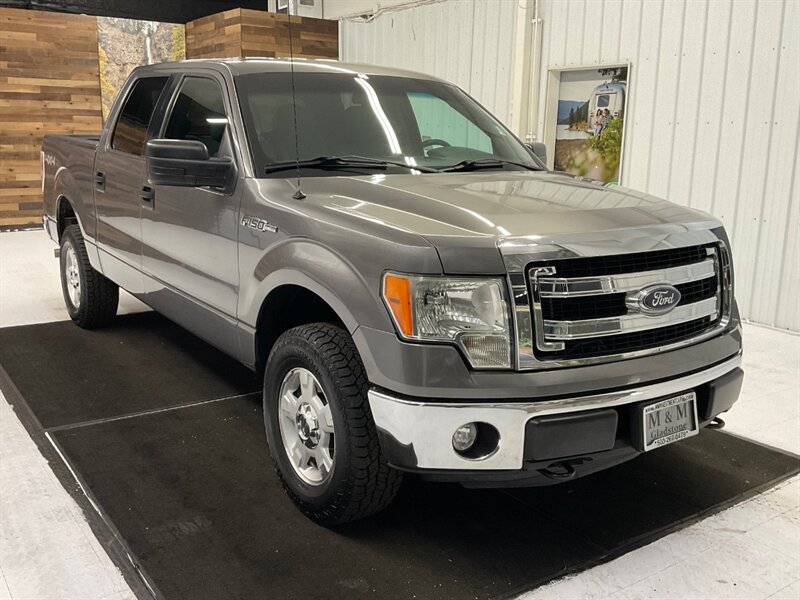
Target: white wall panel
[
  {"x": 337, "y": 9},
  {"x": 468, "y": 42},
  {"x": 781, "y": 176},
  {"x": 712, "y": 119}
]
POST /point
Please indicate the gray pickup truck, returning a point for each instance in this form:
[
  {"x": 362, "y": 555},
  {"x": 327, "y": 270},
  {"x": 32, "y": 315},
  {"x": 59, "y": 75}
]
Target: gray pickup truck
[{"x": 420, "y": 293}]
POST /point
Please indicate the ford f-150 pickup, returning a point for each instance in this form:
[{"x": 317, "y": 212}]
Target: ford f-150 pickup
[{"x": 420, "y": 293}]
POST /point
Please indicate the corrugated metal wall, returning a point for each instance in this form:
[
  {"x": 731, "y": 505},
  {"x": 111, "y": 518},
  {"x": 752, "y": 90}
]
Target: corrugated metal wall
[
  {"x": 713, "y": 119},
  {"x": 468, "y": 42}
]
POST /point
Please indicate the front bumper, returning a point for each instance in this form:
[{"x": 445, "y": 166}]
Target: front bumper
[{"x": 417, "y": 435}]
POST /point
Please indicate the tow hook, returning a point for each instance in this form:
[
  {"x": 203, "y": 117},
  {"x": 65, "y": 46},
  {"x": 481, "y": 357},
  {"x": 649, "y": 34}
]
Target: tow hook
[
  {"x": 716, "y": 423},
  {"x": 559, "y": 470}
]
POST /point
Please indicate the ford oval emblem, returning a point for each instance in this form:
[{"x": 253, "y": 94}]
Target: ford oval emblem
[{"x": 656, "y": 299}]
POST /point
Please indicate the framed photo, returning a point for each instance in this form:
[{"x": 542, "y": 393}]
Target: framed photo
[{"x": 585, "y": 120}]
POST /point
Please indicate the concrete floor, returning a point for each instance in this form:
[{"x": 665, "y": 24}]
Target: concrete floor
[{"x": 752, "y": 550}]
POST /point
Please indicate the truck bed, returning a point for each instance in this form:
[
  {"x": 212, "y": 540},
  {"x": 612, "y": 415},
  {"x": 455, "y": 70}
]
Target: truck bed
[
  {"x": 68, "y": 171},
  {"x": 78, "y": 140}
]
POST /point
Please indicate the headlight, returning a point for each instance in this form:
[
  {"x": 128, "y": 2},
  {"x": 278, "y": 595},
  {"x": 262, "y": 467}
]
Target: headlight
[{"x": 472, "y": 312}]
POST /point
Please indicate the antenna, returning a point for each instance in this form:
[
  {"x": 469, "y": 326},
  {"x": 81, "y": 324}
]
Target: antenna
[{"x": 298, "y": 194}]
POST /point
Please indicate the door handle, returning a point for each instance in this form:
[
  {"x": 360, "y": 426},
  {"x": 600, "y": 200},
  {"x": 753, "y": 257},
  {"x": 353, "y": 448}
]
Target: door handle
[
  {"x": 100, "y": 180},
  {"x": 148, "y": 194}
]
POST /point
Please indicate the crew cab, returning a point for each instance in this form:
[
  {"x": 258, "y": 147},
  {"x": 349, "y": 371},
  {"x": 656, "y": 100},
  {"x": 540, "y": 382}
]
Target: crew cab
[{"x": 420, "y": 293}]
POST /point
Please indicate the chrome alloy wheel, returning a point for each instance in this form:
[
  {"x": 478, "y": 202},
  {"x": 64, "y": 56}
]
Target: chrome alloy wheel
[
  {"x": 72, "y": 276},
  {"x": 306, "y": 425}
]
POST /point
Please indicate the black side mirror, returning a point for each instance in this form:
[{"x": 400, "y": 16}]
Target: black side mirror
[
  {"x": 185, "y": 163},
  {"x": 539, "y": 150}
]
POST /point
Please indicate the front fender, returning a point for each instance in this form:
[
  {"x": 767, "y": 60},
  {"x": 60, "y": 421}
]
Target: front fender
[{"x": 317, "y": 268}]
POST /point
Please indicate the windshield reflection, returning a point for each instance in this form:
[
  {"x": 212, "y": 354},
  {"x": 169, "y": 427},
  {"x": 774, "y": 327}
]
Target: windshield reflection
[
  {"x": 377, "y": 109},
  {"x": 426, "y": 125}
]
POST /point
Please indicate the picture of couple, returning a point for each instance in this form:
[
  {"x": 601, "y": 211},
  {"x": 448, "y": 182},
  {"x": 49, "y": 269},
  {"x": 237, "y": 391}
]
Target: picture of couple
[{"x": 601, "y": 121}]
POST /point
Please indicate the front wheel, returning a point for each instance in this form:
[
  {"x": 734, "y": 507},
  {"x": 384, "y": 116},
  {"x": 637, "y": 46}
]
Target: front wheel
[
  {"x": 320, "y": 430},
  {"x": 91, "y": 298}
]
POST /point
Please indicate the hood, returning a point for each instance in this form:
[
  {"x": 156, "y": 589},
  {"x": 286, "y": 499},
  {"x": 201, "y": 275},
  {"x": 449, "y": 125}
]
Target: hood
[{"x": 476, "y": 210}]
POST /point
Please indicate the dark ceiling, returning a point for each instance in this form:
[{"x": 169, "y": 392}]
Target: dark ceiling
[{"x": 169, "y": 11}]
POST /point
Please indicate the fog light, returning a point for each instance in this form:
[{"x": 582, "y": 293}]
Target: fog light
[{"x": 464, "y": 437}]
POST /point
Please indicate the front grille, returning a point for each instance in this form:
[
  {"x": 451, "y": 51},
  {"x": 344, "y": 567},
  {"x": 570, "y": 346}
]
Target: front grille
[
  {"x": 613, "y": 305},
  {"x": 697, "y": 290},
  {"x": 631, "y": 342},
  {"x": 630, "y": 263},
  {"x": 587, "y": 308}
]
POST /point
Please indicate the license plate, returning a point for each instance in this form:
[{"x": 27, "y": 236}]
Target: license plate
[{"x": 669, "y": 420}]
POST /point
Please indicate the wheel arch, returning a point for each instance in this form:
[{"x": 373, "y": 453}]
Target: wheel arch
[
  {"x": 289, "y": 305},
  {"x": 66, "y": 215},
  {"x": 328, "y": 284}
]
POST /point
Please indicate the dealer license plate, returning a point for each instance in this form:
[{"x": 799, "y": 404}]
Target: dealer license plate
[{"x": 669, "y": 420}]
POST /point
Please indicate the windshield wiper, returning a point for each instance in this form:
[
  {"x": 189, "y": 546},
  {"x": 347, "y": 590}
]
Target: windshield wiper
[
  {"x": 485, "y": 163},
  {"x": 341, "y": 162}
]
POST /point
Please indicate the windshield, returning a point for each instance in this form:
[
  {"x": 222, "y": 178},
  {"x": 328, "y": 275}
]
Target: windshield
[{"x": 402, "y": 121}]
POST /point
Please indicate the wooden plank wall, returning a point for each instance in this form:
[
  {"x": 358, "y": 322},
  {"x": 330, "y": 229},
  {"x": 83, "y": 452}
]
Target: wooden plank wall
[
  {"x": 267, "y": 34},
  {"x": 215, "y": 36},
  {"x": 49, "y": 83},
  {"x": 244, "y": 32}
]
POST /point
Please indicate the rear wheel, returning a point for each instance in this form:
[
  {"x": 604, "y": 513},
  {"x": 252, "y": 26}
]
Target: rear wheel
[
  {"x": 319, "y": 426},
  {"x": 91, "y": 298}
]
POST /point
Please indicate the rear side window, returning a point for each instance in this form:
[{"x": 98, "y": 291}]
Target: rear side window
[
  {"x": 131, "y": 129},
  {"x": 198, "y": 114}
]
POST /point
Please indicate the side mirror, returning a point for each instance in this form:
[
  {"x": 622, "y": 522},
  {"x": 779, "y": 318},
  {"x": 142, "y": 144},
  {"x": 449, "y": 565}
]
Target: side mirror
[
  {"x": 539, "y": 150},
  {"x": 185, "y": 163}
]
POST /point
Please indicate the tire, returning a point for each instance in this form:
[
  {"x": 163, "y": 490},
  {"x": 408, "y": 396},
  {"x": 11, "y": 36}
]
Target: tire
[
  {"x": 359, "y": 482},
  {"x": 90, "y": 297}
]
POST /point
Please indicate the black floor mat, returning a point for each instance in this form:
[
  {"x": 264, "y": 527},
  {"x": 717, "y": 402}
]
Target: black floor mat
[
  {"x": 193, "y": 495},
  {"x": 69, "y": 375}
]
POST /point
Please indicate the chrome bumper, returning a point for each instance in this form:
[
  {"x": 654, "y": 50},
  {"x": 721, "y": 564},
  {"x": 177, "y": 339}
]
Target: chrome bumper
[{"x": 425, "y": 429}]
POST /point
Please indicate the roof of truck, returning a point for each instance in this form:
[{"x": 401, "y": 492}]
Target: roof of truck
[{"x": 240, "y": 66}]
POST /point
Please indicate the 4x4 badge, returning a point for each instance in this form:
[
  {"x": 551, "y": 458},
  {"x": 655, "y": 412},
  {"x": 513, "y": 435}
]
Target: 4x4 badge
[{"x": 258, "y": 224}]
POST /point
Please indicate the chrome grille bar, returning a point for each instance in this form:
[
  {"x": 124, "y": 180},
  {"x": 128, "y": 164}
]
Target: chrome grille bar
[
  {"x": 557, "y": 287},
  {"x": 591, "y": 328}
]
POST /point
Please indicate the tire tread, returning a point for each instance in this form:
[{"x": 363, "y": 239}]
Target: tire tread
[
  {"x": 99, "y": 295},
  {"x": 371, "y": 483}
]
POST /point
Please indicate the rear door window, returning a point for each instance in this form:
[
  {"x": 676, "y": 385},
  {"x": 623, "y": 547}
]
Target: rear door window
[
  {"x": 198, "y": 114},
  {"x": 130, "y": 132}
]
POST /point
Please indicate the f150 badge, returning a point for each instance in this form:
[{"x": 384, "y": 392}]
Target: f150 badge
[{"x": 258, "y": 224}]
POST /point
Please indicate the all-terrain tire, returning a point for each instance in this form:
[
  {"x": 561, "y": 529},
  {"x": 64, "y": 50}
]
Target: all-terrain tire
[
  {"x": 360, "y": 483},
  {"x": 98, "y": 298}
]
